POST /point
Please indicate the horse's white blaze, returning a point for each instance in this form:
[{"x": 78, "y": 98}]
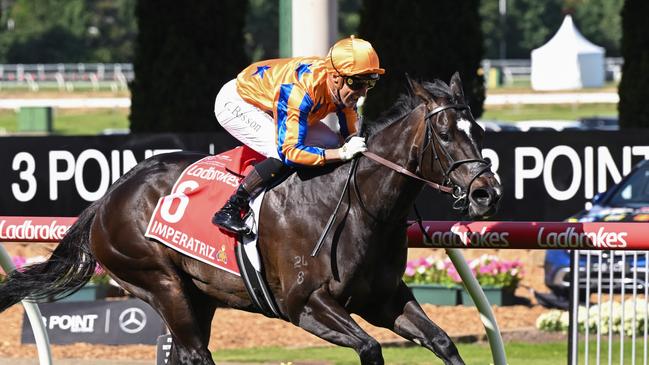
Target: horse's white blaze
[{"x": 465, "y": 126}]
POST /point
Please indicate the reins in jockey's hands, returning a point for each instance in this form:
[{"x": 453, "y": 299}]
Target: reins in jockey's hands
[{"x": 354, "y": 146}]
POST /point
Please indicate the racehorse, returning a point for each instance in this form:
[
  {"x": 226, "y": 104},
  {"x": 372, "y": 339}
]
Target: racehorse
[{"x": 429, "y": 133}]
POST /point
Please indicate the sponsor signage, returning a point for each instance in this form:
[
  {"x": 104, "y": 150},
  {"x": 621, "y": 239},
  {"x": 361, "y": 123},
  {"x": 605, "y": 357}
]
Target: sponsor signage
[
  {"x": 60, "y": 176},
  {"x": 529, "y": 235},
  {"x": 174, "y": 218},
  {"x": 547, "y": 176},
  {"x": 114, "y": 322},
  {"x": 163, "y": 350},
  {"x": 34, "y": 228}
]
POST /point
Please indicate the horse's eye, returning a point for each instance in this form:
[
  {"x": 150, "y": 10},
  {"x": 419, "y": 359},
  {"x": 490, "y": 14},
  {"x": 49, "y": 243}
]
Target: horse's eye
[{"x": 444, "y": 137}]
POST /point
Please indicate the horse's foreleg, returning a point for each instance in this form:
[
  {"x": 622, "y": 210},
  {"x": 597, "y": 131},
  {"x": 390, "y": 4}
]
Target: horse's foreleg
[
  {"x": 403, "y": 315},
  {"x": 327, "y": 319}
]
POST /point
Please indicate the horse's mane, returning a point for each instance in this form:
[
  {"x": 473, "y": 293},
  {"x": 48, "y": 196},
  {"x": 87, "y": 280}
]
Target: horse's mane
[
  {"x": 404, "y": 105},
  {"x": 407, "y": 102}
]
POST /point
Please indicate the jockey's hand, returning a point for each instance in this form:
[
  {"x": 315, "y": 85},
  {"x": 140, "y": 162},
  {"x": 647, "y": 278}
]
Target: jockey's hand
[{"x": 350, "y": 149}]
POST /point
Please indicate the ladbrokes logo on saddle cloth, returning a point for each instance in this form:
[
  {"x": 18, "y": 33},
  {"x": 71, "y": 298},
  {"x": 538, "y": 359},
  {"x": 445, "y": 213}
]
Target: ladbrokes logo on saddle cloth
[{"x": 182, "y": 219}]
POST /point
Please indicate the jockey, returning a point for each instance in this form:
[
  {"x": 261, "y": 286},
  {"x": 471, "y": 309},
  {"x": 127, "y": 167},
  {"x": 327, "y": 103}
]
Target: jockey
[{"x": 276, "y": 108}]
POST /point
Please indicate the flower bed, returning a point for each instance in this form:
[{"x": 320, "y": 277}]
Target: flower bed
[
  {"x": 557, "y": 320},
  {"x": 490, "y": 271}
]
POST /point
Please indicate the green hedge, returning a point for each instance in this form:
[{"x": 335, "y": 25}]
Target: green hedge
[
  {"x": 185, "y": 52},
  {"x": 428, "y": 40},
  {"x": 634, "y": 107}
]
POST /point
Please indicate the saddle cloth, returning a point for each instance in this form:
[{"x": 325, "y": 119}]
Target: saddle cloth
[{"x": 182, "y": 219}]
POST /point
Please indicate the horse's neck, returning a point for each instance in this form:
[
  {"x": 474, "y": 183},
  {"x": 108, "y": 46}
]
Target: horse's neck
[
  {"x": 387, "y": 193},
  {"x": 394, "y": 146}
]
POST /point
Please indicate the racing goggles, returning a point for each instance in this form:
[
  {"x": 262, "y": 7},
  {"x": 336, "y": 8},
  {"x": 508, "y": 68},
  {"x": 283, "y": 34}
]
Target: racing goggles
[{"x": 357, "y": 83}]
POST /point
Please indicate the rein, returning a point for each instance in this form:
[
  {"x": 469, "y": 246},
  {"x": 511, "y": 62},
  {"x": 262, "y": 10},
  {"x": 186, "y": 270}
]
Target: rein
[
  {"x": 404, "y": 171},
  {"x": 448, "y": 186},
  {"x": 332, "y": 218}
]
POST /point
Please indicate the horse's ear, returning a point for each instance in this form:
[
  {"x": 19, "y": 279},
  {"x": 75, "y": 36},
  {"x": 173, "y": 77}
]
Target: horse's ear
[
  {"x": 456, "y": 88},
  {"x": 417, "y": 90}
]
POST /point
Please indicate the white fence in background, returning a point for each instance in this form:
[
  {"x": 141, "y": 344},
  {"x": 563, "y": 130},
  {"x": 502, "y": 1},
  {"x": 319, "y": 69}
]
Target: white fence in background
[
  {"x": 115, "y": 76},
  {"x": 553, "y": 98},
  {"x": 609, "y": 307},
  {"x": 519, "y": 70},
  {"x": 66, "y": 76}
]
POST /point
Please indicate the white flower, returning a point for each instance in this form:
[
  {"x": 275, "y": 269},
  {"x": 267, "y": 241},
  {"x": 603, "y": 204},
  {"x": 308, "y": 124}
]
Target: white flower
[
  {"x": 564, "y": 321},
  {"x": 474, "y": 263},
  {"x": 557, "y": 320},
  {"x": 439, "y": 265},
  {"x": 549, "y": 321}
]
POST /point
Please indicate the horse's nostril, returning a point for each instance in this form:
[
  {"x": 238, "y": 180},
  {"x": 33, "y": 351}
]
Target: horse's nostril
[{"x": 481, "y": 196}]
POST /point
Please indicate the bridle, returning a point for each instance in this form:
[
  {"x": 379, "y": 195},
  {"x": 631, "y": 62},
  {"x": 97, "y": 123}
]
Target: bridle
[{"x": 433, "y": 142}]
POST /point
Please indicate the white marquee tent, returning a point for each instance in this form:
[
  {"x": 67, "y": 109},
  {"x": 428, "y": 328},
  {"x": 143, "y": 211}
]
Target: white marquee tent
[{"x": 567, "y": 61}]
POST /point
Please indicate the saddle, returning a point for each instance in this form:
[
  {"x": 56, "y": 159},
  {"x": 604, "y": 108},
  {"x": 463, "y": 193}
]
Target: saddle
[{"x": 179, "y": 221}]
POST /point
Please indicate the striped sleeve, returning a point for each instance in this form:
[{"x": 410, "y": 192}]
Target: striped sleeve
[
  {"x": 293, "y": 108},
  {"x": 347, "y": 119}
]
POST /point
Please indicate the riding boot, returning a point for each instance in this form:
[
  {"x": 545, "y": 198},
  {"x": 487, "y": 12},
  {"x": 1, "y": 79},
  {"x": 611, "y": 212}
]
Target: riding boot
[{"x": 230, "y": 216}]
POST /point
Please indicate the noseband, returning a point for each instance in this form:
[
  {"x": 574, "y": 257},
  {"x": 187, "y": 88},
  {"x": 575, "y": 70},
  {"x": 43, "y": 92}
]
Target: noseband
[{"x": 431, "y": 141}]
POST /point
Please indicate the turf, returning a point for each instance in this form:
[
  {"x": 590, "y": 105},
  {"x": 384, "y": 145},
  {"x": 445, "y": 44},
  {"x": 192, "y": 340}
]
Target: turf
[
  {"x": 518, "y": 353},
  {"x": 74, "y": 121}
]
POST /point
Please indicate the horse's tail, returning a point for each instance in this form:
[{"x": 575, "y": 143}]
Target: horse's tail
[{"x": 69, "y": 268}]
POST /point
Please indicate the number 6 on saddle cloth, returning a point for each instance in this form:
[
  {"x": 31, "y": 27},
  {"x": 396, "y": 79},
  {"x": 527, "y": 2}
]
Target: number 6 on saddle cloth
[{"x": 180, "y": 222}]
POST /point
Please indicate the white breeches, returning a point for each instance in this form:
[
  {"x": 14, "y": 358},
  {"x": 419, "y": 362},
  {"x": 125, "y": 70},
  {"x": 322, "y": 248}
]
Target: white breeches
[{"x": 256, "y": 129}]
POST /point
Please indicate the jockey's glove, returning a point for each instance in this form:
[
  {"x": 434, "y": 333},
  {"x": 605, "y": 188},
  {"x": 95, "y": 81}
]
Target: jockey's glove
[{"x": 354, "y": 146}]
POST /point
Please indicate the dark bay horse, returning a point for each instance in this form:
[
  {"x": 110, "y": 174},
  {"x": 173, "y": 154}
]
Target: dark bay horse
[{"x": 430, "y": 132}]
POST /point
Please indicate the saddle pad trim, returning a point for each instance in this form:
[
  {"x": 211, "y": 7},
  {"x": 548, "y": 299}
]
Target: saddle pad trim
[{"x": 195, "y": 257}]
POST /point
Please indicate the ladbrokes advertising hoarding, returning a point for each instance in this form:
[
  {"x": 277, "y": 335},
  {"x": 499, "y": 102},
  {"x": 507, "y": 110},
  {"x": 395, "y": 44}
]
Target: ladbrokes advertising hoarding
[
  {"x": 528, "y": 235},
  {"x": 546, "y": 175}
]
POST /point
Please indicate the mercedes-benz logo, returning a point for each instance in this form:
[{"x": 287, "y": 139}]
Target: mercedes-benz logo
[{"x": 132, "y": 320}]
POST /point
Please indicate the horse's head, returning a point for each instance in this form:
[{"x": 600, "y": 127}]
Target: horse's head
[{"x": 451, "y": 143}]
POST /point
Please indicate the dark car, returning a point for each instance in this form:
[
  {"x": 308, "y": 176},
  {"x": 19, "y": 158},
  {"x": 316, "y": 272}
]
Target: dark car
[
  {"x": 602, "y": 123},
  {"x": 627, "y": 201}
]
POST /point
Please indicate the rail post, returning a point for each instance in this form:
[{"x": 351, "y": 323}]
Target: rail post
[
  {"x": 482, "y": 304},
  {"x": 34, "y": 315}
]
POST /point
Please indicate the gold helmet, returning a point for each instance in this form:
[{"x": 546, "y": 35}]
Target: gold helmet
[{"x": 353, "y": 56}]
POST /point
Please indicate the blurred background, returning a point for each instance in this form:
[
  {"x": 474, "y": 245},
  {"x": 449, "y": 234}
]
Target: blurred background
[
  {"x": 159, "y": 65},
  {"x": 90, "y": 87}
]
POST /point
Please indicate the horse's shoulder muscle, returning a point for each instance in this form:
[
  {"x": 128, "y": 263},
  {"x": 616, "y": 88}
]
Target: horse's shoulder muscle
[
  {"x": 318, "y": 180},
  {"x": 176, "y": 157},
  {"x": 169, "y": 161}
]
